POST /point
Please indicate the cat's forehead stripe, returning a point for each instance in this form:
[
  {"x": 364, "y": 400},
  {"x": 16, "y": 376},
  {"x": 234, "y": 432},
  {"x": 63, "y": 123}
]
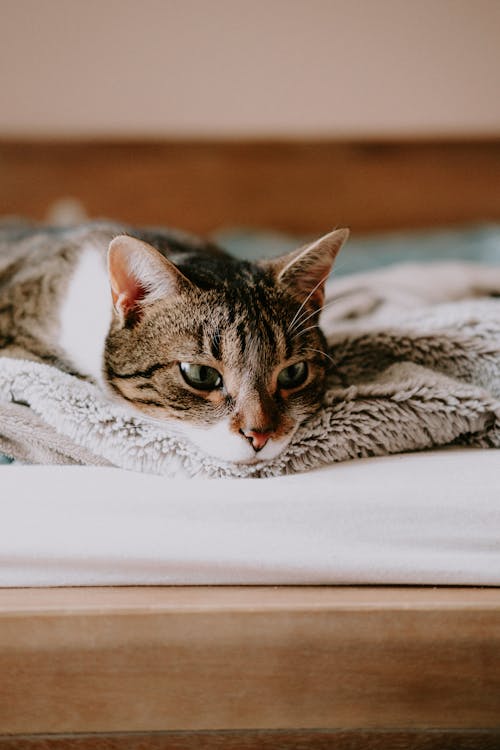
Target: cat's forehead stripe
[
  {"x": 241, "y": 332},
  {"x": 215, "y": 344},
  {"x": 200, "y": 338},
  {"x": 269, "y": 331}
]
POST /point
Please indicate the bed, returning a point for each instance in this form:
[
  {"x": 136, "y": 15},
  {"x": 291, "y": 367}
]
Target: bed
[{"x": 142, "y": 612}]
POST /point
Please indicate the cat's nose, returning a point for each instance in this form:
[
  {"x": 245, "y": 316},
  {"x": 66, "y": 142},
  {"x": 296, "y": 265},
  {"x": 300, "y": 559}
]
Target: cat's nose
[{"x": 257, "y": 438}]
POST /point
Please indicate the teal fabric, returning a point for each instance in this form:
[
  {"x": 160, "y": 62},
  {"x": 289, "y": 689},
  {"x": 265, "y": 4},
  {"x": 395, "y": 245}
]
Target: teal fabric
[{"x": 480, "y": 244}]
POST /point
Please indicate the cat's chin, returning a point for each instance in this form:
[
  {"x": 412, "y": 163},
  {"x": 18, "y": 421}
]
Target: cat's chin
[{"x": 219, "y": 442}]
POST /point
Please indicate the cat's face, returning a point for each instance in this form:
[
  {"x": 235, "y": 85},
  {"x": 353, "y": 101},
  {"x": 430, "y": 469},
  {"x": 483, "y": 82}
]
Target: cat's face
[{"x": 230, "y": 354}]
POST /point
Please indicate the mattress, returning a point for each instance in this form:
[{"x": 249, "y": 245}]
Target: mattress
[{"x": 426, "y": 518}]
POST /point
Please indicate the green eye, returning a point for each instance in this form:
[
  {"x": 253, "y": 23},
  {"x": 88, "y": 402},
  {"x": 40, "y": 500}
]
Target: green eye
[
  {"x": 293, "y": 376},
  {"x": 202, "y": 377}
]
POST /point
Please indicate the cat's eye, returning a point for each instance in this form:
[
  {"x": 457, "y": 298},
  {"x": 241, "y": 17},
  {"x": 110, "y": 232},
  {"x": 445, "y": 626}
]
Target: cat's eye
[
  {"x": 201, "y": 377},
  {"x": 293, "y": 376}
]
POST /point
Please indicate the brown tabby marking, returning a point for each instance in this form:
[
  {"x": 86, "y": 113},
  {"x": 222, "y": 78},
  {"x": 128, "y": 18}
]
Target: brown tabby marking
[{"x": 177, "y": 304}]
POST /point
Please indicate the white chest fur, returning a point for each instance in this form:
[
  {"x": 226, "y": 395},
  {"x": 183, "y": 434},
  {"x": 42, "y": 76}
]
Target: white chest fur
[{"x": 85, "y": 314}]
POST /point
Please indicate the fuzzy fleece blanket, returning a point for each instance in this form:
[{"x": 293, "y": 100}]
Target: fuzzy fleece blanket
[{"x": 416, "y": 364}]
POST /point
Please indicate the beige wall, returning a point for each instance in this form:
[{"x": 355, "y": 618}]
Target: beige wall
[{"x": 237, "y": 67}]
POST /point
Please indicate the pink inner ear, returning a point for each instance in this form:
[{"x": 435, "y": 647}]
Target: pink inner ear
[
  {"x": 126, "y": 289},
  {"x": 316, "y": 285},
  {"x": 127, "y": 301},
  {"x": 309, "y": 283},
  {"x": 306, "y": 270}
]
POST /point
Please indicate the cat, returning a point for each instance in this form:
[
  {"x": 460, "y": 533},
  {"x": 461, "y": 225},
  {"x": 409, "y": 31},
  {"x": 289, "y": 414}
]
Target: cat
[{"x": 226, "y": 352}]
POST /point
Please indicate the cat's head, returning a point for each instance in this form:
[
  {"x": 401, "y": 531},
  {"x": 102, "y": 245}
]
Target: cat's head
[{"x": 230, "y": 350}]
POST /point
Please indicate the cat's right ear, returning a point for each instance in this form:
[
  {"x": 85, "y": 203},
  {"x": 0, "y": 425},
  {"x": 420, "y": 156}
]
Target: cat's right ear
[
  {"x": 304, "y": 271},
  {"x": 140, "y": 275}
]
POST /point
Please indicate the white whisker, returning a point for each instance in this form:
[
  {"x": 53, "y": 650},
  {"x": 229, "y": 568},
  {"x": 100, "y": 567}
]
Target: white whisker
[
  {"x": 319, "y": 351},
  {"x": 336, "y": 368},
  {"x": 321, "y": 281},
  {"x": 304, "y": 330},
  {"x": 315, "y": 312}
]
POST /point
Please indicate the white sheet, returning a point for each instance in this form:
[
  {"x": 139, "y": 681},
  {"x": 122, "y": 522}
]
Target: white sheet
[{"x": 428, "y": 518}]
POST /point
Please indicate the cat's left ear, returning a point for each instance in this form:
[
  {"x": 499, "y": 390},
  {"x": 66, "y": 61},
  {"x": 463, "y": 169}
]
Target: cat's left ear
[
  {"x": 304, "y": 271},
  {"x": 139, "y": 275}
]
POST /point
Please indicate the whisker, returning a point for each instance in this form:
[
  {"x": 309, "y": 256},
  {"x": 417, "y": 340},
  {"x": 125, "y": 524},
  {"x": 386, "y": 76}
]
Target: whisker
[
  {"x": 336, "y": 369},
  {"x": 330, "y": 275},
  {"x": 319, "y": 351},
  {"x": 316, "y": 312},
  {"x": 304, "y": 330},
  {"x": 303, "y": 319},
  {"x": 321, "y": 281}
]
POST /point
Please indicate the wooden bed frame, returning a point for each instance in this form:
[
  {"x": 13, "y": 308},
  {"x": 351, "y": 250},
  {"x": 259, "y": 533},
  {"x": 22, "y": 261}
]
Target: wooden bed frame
[
  {"x": 297, "y": 186},
  {"x": 306, "y": 666},
  {"x": 254, "y": 667}
]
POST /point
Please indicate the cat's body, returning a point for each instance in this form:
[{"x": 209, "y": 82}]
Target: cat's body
[{"x": 226, "y": 351}]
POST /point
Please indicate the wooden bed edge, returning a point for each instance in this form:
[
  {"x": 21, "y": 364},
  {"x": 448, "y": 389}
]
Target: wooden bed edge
[
  {"x": 122, "y": 600},
  {"x": 200, "y": 659},
  {"x": 317, "y": 739}
]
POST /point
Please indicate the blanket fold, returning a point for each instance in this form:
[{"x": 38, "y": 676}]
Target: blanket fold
[{"x": 415, "y": 364}]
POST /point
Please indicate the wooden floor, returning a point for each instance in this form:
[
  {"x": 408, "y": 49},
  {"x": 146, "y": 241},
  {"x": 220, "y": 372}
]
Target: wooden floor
[{"x": 306, "y": 662}]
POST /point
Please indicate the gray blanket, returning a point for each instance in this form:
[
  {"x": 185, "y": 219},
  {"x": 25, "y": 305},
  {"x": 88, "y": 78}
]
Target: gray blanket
[{"x": 415, "y": 364}]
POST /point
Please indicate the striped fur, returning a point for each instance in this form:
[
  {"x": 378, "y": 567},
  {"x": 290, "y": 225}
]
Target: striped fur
[{"x": 177, "y": 299}]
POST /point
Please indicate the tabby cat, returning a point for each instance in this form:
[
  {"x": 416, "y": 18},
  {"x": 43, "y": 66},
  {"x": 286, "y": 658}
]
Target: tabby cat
[{"x": 227, "y": 352}]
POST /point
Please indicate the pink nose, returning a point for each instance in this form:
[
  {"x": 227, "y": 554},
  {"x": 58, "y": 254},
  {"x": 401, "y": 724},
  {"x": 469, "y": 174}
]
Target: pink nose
[{"x": 256, "y": 438}]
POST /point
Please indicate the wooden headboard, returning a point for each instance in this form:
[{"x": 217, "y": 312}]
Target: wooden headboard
[{"x": 300, "y": 186}]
